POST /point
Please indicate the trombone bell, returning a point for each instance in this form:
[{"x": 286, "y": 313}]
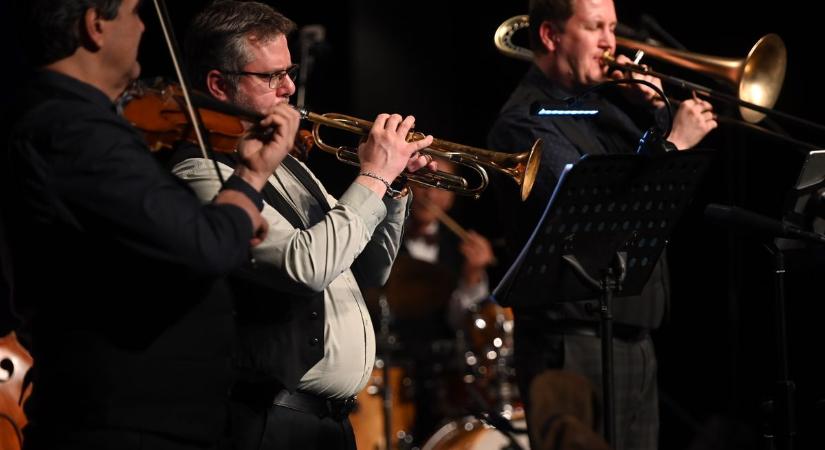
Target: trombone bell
[
  {"x": 763, "y": 73},
  {"x": 757, "y": 78}
]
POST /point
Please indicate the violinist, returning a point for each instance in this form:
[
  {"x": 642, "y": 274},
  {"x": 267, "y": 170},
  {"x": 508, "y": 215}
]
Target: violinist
[
  {"x": 306, "y": 342},
  {"x": 116, "y": 265}
]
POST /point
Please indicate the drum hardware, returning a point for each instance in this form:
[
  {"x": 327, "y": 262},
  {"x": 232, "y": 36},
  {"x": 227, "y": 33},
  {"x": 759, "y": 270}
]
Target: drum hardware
[{"x": 471, "y": 433}]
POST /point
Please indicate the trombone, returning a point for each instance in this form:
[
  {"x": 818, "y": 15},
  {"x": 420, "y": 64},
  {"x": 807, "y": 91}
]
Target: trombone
[
  {"x": 520, "y": 167},
  {"x": 757, "y": 78}
]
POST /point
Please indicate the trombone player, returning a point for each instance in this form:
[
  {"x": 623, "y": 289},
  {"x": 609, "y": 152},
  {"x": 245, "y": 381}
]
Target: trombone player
[
  {"x": 306, "y": 344},
  {"x": 569, "y": 39}
]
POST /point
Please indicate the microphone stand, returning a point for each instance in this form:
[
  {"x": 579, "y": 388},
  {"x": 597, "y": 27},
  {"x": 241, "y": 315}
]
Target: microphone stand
[
  {"x": 783, "y": 404},
  {"x": 782, "y": 407},
  {"x": 386, "y": 341},
  {"x": 651, "y": 24},
  {"x": 484, "y": 413},
  {"x": 310, "y": 36}
]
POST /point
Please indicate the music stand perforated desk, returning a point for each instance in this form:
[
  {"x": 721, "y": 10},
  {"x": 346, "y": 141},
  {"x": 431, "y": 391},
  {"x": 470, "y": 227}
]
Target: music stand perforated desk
[{"x": 601, "y": 233}]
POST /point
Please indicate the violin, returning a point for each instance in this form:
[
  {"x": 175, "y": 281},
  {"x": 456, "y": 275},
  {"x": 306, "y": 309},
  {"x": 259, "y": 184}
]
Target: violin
[
  {"x": 15, "y": 361},
  {"x": 158, "y": 110}
]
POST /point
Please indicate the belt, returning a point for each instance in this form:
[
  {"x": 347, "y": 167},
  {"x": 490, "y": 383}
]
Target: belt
[
  {"x": 338, "y": 409},
  {"x": 621, "y": 331}
]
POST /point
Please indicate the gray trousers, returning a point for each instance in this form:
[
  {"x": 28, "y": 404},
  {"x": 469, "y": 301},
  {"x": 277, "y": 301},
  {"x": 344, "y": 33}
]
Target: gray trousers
[{"x": 636, "y": 401}]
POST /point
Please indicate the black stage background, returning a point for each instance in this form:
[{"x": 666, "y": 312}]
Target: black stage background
[{"x": 436, "y": 60}]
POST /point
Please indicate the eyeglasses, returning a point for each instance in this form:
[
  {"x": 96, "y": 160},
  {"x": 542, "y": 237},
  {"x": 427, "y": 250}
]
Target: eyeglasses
[{"x": 275, "y": 78}]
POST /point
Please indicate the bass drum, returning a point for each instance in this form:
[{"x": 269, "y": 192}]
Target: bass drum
[
  {"x": 488, "y": 331},
  {"x": 470, "y": 433},
  {"x": 368, "y": 417}
]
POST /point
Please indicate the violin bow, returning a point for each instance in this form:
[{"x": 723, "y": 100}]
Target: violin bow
[{"x": 194, "y": 114}]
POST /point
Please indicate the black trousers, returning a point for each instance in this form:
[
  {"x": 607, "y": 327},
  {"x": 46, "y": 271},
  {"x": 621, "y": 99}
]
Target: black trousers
[
  {"x": 276, "y": 427},
  {"x": 108, "y": 439}
]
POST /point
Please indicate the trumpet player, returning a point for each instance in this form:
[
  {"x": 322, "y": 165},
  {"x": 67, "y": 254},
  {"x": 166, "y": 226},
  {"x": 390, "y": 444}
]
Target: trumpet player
[
  {"x": 569, "y": 39},
  {"x": 306, "y": 344}
]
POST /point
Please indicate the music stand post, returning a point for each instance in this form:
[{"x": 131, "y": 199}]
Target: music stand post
[
  {"x": 805, "y": 210},
  {"x": 601, "y": 234},
  {"x": 611, "y": 282}
]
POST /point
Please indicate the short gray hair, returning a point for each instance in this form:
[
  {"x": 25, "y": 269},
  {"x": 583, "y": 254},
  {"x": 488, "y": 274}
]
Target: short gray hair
[{"x": 218, "y": 35}]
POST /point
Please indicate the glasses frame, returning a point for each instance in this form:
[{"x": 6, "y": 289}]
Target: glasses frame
[{"x": 275, "y": 79}]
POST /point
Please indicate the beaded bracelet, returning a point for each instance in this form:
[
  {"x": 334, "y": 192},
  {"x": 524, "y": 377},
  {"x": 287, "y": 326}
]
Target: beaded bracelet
[{"x": 394, "y": 193}]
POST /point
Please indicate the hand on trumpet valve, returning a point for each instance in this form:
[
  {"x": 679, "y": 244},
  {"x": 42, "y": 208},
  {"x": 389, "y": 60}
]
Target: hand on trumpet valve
[
  {"x": 693, "y": 120},
  {"x": 419, "y": 160},
  {"x": 386, "y": 153},
  {"x": 638, "y": 93}
]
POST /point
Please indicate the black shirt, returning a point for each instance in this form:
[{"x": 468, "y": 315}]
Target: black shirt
[
  {"x": 115, "y": 266},
  {"x": 566, "y": 140}
]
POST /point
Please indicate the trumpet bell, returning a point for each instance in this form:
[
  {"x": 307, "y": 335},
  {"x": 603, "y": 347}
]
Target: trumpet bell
[{"x": 527, "y": 169}]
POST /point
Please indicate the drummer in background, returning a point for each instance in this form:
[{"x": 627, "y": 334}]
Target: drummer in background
[
  {"x": 469, "y": 255},
  {"x": 430, "y": 329}
]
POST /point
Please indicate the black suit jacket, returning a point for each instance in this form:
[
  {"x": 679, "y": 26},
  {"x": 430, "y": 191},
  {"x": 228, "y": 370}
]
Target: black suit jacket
[
  {"x": 566, "y": 140},
  {"x": 114, "y": 266}
]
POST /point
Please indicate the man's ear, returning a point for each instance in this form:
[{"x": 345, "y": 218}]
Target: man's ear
[
  {"x": 91, "y": 30},
  {"x": 217, "y": 86},
  {"x": 549, "y": 35}
]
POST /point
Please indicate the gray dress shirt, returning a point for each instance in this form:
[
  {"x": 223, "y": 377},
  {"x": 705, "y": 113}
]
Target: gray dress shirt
[{"x": 352, "y": 245}]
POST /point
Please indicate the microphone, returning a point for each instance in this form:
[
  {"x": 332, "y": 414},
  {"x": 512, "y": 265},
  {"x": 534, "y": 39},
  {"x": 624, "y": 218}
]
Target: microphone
[
  {"x": 738, "y": 218},
  {"x": 818, "y": 203},
  {"x": 309, "y": 37},
  {"x": 631, "y": 33},
  {"x": 312, "y": 34},
  {"x": 652, "y": 143},
  {"x": 649, "y": 23}
]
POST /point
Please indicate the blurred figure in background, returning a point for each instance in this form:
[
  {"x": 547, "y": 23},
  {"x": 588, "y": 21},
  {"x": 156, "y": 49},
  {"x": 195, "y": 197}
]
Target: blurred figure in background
[{"x": 437, "y": 290}]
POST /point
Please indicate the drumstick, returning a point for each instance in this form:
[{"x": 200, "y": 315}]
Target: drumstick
[
  {"x": 445, "y": 218},
  {"x": 448, "y": 221}
]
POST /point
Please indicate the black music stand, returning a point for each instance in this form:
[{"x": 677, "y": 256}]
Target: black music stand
[
  {"x": 806, "y": 210},
  {"x": 602, "y": 232}
]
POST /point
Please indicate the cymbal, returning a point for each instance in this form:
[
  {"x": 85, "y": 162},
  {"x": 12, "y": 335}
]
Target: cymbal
[{"x": 415, "y": 289}]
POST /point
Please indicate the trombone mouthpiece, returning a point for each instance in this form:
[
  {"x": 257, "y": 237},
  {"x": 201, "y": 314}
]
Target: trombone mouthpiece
[{"x": 608, "y": 58}]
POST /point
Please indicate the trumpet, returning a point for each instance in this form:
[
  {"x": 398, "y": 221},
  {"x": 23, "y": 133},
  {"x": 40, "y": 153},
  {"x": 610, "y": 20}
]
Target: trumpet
[{"x": 520, "y": 167}]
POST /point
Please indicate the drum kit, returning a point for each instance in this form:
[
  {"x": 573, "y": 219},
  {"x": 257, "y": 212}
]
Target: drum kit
[{"x": 434, "y": 387}]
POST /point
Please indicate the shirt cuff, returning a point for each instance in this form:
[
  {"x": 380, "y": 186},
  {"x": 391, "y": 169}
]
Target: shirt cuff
[
  {"x": 399, "y": 206},
  {"x": 471, "y": 295},
  {"x": 237, "y": 183},
  {"x": 365, "y": 204}
]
